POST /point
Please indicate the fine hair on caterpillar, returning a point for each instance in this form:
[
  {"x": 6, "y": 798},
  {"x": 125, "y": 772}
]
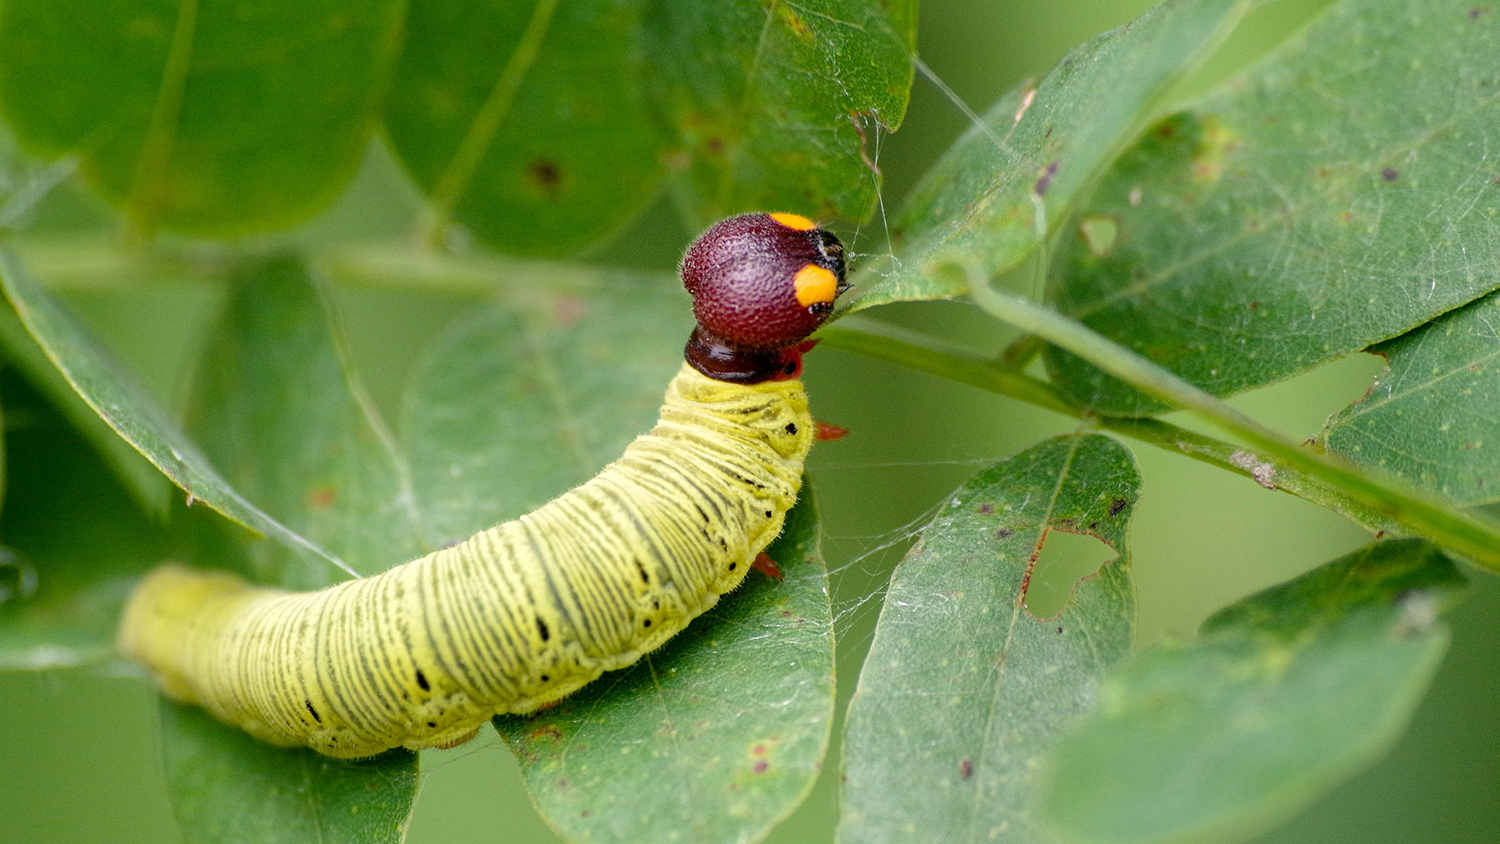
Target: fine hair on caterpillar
[{"x": 523, "y": 613}]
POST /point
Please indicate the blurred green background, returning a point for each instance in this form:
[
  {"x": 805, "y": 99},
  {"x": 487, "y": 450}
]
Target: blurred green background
[{"x": 78, "y": 755}]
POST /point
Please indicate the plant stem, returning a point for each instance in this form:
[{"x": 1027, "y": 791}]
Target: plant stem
[
  {"x": 1382, "y": 494},
  {"x": 917, "y": 351}
]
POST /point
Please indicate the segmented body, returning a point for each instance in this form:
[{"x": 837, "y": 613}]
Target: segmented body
[{"x": 511, "y": 619}]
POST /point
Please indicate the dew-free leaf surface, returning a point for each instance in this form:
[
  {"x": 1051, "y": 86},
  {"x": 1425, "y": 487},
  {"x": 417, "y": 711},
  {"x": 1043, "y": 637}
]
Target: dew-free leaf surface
[
  {"x": 990, "y": 202},
  {"x": 1280, "y": 697},
  {"x": 210, "y": 117},
  {"x": 964, "y": 691},
  {"x": 1431, "y": 417},
  {"x": 1340, "y": 194}
]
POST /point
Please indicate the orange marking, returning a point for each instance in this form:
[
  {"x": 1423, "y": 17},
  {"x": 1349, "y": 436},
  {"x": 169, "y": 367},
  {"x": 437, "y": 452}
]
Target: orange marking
[
  {"x": 794, "y": 221},
  {"x": 828, "y": 432},
  {"x": 815, "y": 285},
  {"x": 766, "y": 566}
]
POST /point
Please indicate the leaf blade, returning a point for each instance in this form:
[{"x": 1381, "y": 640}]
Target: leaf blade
[
  {"x": 1427, "y": 418},
  {"x": 521, "y": 121},
  {"x": 962, "y": 688},
  {"x": 128, "y": 407},
  {"x": 1304, "y": 212},
  {"x": 987, "y": 204},
  {"x": 213, "y": 118},
  {"x": 764, "y": 103},
  {"x": 1282, "y": 696},
  {"x": 228, "y": 788}
]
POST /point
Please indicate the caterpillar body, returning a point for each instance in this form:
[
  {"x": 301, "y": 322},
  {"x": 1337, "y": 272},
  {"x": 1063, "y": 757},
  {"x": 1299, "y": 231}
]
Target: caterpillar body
[{"x": 522, "y": 614}]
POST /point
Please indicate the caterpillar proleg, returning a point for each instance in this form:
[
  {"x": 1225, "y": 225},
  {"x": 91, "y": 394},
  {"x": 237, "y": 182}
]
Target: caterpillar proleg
[{"x": 523, "y": 613}]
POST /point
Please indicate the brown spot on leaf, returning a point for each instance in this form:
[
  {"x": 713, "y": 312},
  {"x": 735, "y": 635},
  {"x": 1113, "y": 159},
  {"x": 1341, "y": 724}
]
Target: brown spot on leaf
[
  {"x": 761, "y": 766},
  {"x": 1116, "y": 506},
  {"x": 1004, "y": 533},
  {"x": 1390, "y": 174},
  {"x": 1045, "y": 182},
  {"x": 546, "y": 174},
  {"x": 986, "y": 509},
  {"x": 548, "y": 732},
  {"x": 965, "y": 768},
  {"x": 321, "y": 497}
]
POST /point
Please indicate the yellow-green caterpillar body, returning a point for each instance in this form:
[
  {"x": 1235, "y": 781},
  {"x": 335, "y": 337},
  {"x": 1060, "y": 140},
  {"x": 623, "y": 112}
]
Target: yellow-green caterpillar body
[
  {"x": 509, "y": 620},
  {"x": 521, "y": 614}
]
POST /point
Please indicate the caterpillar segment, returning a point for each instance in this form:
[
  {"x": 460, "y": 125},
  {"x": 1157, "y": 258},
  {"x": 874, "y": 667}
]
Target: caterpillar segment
[{"x": 524, "y": 613}]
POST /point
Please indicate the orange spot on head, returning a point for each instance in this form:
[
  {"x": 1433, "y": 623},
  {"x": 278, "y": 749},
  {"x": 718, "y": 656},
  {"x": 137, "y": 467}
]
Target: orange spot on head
[
  {"x": 815, "y": 285},
  {"x": 795, "y": 221}
]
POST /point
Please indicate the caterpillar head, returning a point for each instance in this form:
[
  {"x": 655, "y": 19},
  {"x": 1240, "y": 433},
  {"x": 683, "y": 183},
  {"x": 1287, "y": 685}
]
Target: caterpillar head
[{"x": 761, "y": 283}]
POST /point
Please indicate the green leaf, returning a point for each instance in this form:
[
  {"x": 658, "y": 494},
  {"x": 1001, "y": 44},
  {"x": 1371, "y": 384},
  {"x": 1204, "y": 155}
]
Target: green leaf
[
  {"x": 989, "y": 203},
  {"x": 212, "y": 117},
  {"x": 1431, "y": 417},
  {"x": 128, "y": 407},
  {"x": 523, "y": 121},
  {"x": 279, "y": 408},
  {"x": 282, "y": 413},
  {"x": 1341, "y": 194},
  {"x": 229, "y": 788},
  {"x": 964, "y": 690},
  {"x": 1282, "y": 696},
  {"x": 73, "y": 539},
  {"x": 715, "y": 737},
  {"x": 767, "y": 102},
  {"x": 133, "y": 470},
  {"x": 520, "y": 403}
]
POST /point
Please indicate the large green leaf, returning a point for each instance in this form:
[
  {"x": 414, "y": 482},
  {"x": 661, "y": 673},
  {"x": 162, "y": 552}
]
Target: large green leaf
[
  {"x": 1341, "y": 194},
  {"x": 213, "y": 116},
  {"x": 767, "y": 102},
  {"x": 990, "y": 201},
  {"x": 1282, "y": 696},
  {"x": 278, "y": 407},
  {"x": 523, "y": 401},
  {"x": 73, "y": 540},
  {"x": 228, "y": 788},
  {"x": 964, "y": 690},
  {"x": 127, "y": 406},
  {"x": 1432, "y": 416},
  {"x": 714, "y": 738},
  {"x": 281, "y": 412},
  {"x": 138, "y": 475},
  {"x": 514, "y": 407},
  {"x": 522, "y": 119}
]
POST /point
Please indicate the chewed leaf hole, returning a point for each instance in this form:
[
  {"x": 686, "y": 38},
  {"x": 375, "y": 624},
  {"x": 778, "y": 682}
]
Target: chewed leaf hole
[{"x": 1066, "y": 558}]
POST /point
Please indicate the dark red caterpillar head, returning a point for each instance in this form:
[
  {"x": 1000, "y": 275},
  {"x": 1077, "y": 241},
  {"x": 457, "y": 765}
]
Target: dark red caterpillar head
[{"x": 761, "y": 283}]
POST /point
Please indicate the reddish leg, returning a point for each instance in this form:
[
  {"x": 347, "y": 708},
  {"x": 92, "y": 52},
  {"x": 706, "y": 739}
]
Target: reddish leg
[
  {"x": 830, "y": 432},
  {"x": 766, "y": 566}
]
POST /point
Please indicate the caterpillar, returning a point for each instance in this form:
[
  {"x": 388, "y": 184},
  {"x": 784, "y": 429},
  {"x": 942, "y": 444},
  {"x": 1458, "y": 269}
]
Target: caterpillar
[{"x": 523, "y": 613}]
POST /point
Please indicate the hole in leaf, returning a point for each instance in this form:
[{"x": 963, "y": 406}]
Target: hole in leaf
[{"x": 1066, "y": 558}]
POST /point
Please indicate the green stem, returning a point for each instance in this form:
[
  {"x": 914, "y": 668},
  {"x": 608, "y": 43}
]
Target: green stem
[
  {"x": 917, "y": 351},
  {"x": 1383, "y": 495}
]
